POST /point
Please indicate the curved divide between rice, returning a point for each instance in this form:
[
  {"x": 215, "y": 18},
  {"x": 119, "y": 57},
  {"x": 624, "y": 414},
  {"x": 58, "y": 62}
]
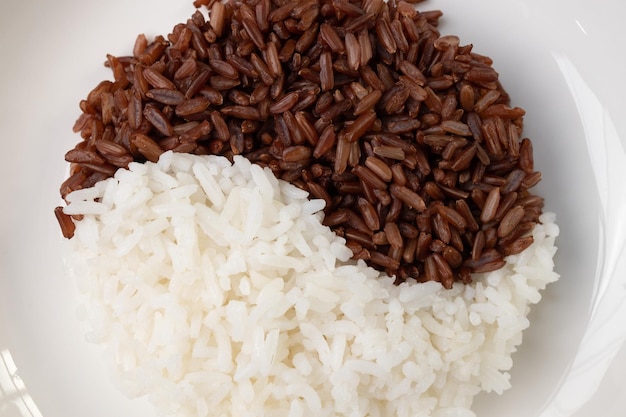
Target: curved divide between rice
[{"x": 407, "y": 135}]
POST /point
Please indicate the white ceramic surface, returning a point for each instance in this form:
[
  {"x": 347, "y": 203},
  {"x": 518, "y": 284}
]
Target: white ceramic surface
[{"x": 561, "y": 60}]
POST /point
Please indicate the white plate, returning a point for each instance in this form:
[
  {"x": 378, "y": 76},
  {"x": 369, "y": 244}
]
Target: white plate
[{"x": 560, "y": 60}]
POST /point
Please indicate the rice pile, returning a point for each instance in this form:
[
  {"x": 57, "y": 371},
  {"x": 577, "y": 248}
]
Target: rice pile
[{"x": 216, "y": 290}]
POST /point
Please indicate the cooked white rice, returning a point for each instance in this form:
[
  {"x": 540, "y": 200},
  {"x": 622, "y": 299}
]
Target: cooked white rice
[{"x": 216, "y": 290}]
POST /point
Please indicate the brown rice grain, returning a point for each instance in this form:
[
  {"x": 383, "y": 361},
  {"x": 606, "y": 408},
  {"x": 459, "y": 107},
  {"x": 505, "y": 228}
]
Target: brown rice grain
[
  {"x": 242, "y": 112},
  {"x": 490, "y": 206},
  {"x": 518, "y": 246},
  {"x": 384, "y": 260},
  {"x": 510, "y": 220},
  {"x": 327, "y": 80},
  {"x": 385, "y": 37},
  {"x": 368, "y": 213},
  {"x": 326, "y": 142},
  {"x": 530, "y": 180},
  {"x": 261, "y": 67},
  {"x": 391, "y": 152},
  {"x": 369, "y": 177},
  {"x": 166, "y": 96},
  {"x": 157, "y": 80},
  {"x": 380, "y": 168},
  {"x": 224, "y": 68},
  {"x": 360, "y": 126},
  {"x": 408, "y": 197},
  {"x": 285, "y": 103},
  {"x": 157, "y": 119},
  {"x": 526, "y": 155},
  {"x": 192, "y": 106},
  {"x": 147, "y": 147},
  {"x": 296, "y": 153}
]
